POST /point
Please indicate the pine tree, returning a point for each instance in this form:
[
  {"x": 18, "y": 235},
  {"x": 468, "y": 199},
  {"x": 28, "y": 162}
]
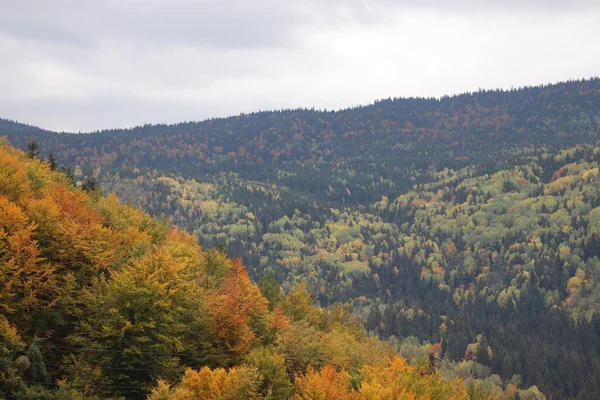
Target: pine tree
[
  {"x": 52, "y": 162},
  {"x": 34, "y": 149}
]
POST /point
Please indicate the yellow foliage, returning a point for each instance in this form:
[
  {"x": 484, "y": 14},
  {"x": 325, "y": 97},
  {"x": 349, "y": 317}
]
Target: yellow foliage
[
  {"x": 209, "y": 206},
  {"x": 238, "y": 383},
  {"x": 326, "y": 384},
  {"x": 560, "y": 184},
  {"x": 396, "y": 380}
]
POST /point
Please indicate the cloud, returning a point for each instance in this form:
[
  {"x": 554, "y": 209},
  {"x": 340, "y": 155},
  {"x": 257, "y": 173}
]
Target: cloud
[
  {"x": 224, "y": 23},
  {"x": 231, "y": 24},
  {"x": 89, "y": 64}
]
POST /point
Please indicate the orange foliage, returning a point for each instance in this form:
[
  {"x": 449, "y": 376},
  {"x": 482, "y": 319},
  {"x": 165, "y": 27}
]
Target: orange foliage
[
  {"x": 238, "y": 311},
  {"x": 327, "y": 383},
  {"x": 557, "y": 174},
  {"x": 396, "y": 380}
]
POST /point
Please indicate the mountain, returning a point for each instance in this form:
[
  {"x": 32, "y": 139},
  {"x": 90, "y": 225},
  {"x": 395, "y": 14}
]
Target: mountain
[
  {"x": 468, "y": 221},
  {"x": 99, "y": 300}
]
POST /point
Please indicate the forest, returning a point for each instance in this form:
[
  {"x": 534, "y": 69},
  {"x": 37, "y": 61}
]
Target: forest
[
  {"x": 453, "y": 239},
  {"x": 101, "y": 301}
]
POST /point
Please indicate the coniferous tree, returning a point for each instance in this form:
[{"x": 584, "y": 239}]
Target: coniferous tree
[{"x": 34, "y": 149}]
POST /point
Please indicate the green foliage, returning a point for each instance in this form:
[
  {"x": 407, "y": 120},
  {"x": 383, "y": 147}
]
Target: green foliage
[
  {"x": 275, "y": 382},
  {"x": 35, "y": 369},
  {"x": 134, "y": 324},
  {"x": 271, "y": 290},
  {"x": 34, "y": 149}
]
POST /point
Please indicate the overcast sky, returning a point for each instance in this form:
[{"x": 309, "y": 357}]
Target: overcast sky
[{"x": 82, "y": 65}]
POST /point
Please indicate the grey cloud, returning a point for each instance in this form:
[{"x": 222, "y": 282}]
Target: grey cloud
[
  {"x": 227, "y": 24},
  {"x": 515, "y": 6},
  {"x": 222, "y": 23},
  {"x": 83, "y": 23}
]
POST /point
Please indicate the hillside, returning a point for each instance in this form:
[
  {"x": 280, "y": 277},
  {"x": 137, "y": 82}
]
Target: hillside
[
  {"x": 469, "y": 222},
  {"x": 510, "y": 256},
  {"x": 101, "y": 301}
]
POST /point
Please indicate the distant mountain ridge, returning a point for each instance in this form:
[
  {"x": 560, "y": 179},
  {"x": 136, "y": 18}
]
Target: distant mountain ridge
[
  {"x": 451, "y": 130},
  {"x": 492, "y": 97}
]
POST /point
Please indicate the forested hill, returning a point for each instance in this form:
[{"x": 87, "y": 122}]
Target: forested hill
[
  {"x": 367, "y": 150},
  {"x": 467, "y": 223},
  {"x": 100, "y": 301}
]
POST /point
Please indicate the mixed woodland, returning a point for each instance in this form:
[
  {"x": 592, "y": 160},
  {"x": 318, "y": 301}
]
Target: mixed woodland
[
  {"x": 412, "y": 247},
  {"x": 99, "y": 300}
]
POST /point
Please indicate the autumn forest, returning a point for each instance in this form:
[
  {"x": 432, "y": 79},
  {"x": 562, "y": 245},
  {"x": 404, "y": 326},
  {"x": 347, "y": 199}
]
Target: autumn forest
[{"x": 413, "y": 248}]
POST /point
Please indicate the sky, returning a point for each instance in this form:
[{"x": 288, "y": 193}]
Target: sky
[{"x": 83, "y": 65}]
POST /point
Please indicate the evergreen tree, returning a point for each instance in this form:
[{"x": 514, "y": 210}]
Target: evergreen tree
[
  {"x": 34, "y": 149},
  {"x": 52, "y": 162}
]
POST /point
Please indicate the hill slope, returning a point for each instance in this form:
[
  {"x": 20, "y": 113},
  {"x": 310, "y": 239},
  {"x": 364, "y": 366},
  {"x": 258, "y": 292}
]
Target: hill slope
[
  {"x": 467, "y": 221},
  {"x": 99, "y": 300}
]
